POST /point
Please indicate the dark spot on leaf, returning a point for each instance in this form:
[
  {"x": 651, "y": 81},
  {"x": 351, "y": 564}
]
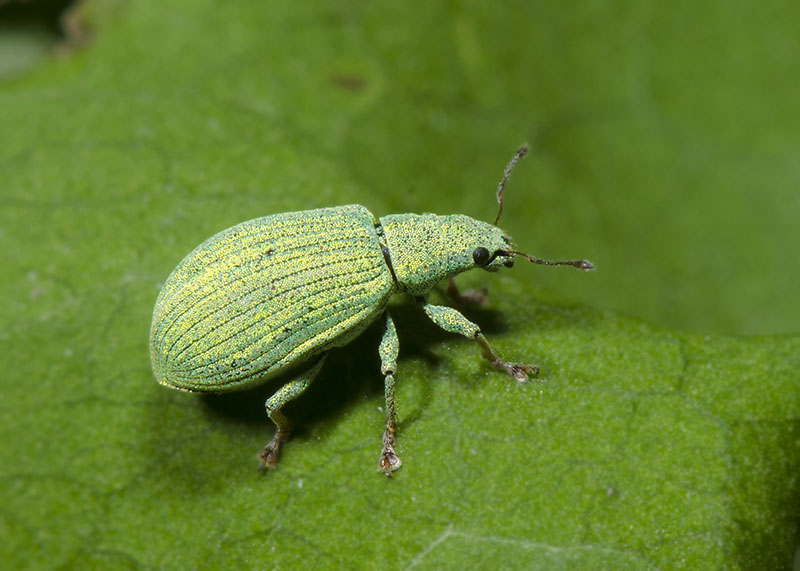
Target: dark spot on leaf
[{"x": 349, "y": 82}]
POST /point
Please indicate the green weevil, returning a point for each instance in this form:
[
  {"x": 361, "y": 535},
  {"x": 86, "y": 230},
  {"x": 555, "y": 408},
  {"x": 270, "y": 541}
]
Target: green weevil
[{"x": 271, "y": 296}]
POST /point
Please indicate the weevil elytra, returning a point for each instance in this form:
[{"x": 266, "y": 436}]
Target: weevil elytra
[{"x": 274, "y": 294}]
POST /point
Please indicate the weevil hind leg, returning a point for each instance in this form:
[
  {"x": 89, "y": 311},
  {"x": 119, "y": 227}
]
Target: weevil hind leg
[
  {"x": 453, "y": 321},
  {"x": 268, "y": 457},
  {"x": 388, "y": 351}
]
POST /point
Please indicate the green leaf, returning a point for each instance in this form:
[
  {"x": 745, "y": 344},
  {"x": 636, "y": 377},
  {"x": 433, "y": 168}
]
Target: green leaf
[{"x": 664, "y": 142}]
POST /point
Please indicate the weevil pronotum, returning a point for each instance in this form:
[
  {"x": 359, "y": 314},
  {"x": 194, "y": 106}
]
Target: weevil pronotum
[{"x": 274, "y": 294}]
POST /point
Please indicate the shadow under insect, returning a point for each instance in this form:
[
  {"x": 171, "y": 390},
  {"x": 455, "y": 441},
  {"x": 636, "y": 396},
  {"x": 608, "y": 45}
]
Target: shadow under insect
[{"x": 351, "y": 373}]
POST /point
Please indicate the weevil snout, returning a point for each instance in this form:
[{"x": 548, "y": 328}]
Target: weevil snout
[{"x": 491, "y": 261}]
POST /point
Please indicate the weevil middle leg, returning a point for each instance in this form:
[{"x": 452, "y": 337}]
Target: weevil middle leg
[
  {"x": 268, "y": 457},
  {"x": 453, "y": 321},
  {"x": 388, "y": 350}
]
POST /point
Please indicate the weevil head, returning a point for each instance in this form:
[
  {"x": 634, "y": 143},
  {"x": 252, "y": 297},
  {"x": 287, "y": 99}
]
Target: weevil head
[
  {"x": 426, "y": 249},
  {"x": 422, "y": 250},
  {"x": 493, "y": 251}
]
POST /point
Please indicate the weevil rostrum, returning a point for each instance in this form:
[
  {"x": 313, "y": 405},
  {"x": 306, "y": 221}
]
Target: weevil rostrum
[{"x": 272, "y": 295}]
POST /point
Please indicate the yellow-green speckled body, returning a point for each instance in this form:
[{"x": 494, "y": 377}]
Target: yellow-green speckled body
[
  {"x": 277, "y": 292},
  {"x": 268, "y": 294}
]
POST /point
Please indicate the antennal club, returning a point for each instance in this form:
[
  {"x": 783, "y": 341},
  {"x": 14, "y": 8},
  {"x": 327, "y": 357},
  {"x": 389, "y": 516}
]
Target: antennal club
[
  {"x": 521, "y": 152},
  {"x": 585, "y": 265}
]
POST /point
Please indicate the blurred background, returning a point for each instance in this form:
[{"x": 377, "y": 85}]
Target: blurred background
[{"x": 664, "y": 136}]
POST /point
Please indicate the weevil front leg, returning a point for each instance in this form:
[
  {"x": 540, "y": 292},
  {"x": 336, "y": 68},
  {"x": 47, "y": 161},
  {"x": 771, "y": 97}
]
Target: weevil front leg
[
  {"x": 268, "y": 457},
  {"x": 473, "y": 297},
  {"x": 451, "y": 320},
  {"x": 388, "y": 351}
]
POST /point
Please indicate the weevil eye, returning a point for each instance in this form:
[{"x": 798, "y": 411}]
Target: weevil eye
[{"x": 480, "y": 256}]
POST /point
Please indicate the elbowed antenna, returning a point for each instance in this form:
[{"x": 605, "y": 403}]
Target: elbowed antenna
[
  {"x": 521, "y": 152},
  {"x": 585, "y": 265}
]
